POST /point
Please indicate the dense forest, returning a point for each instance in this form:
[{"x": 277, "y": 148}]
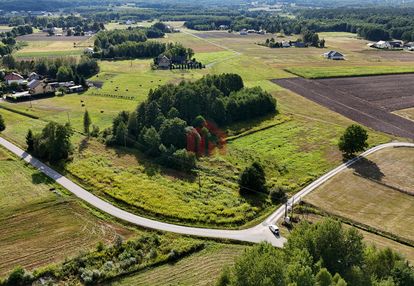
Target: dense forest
[{"x": 185, "y": 117}]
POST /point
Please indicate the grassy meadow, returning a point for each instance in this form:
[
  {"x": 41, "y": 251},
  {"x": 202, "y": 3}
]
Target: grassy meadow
[
  {"x": 296, "y": 146},
  {"x": 347, "y": 71}
]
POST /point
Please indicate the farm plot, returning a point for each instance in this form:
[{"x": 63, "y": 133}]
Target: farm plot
[
  {"x": 39, "y": 223},
  {"x": 362, "y": 99},
  {"x": 42, "y": 45},
  {"x": 200, "y": 269},
  {"x": 373, "y": 192}
]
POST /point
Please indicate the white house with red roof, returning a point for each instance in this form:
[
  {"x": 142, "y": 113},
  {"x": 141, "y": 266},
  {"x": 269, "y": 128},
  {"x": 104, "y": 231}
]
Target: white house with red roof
[{"x": 14, "y": 78}]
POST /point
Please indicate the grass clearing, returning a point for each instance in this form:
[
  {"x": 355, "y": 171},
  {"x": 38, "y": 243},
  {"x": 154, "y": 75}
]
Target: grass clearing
[
  {"x": 200, "y": 269},
  {"x": 369, "y": 197}
]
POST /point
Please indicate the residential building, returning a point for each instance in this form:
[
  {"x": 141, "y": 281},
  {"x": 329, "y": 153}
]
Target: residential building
[
  {"x": 334, "y": 55},
  {"x": 39, "y": 87},
  {"x": 14, "y": 78},
  {"x": 163, "y": 62}
]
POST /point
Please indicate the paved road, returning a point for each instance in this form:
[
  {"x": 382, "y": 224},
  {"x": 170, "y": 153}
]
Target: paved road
[{"x": 255, "y": 234}]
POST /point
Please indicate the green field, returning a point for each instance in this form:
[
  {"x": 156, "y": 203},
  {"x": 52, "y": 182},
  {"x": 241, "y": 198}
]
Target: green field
[
  {"x": 200, "y": 269},
  {"x": 347, "y": 71},
  {"x": 40, "y": 224}
]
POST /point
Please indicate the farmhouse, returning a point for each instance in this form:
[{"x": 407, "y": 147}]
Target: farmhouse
[
  {"x": 14, "y": 78},
  {"x": 32, "y": 76},
  {"x": 163, "y": 62},
  {"x": 39, "y": 87},
  {"x": 334, "y": 55},
  {"x": 382, "y": 45}
]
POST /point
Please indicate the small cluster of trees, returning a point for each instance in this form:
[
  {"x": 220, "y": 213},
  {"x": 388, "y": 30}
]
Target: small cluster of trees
[
  {"x": 253, "y": 180},
  {"x": 52, "y": 144},
  {"x": 312, "y": 39},
  {"x": 161, "y": 125},
  {"x": 323, "y": 254},
  {"x": 62, "y": 69}
]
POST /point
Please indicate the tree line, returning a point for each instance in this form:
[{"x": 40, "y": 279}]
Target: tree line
[
  {"x": 61, "y": 69},
  {"x": 173, "y": 115}
]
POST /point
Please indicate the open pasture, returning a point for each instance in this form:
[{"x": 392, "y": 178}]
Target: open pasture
[{"x": 368, "y": 192}]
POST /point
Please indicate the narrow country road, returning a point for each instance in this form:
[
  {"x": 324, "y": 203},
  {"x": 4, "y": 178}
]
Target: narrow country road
[{"x": 255, "y": 234}]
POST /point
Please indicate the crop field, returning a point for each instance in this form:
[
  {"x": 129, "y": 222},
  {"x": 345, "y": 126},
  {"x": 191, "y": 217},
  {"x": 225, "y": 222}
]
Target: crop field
[
  {"x": 200, "y": 269},
  {"x": 40, "y": 45},
  {"x": 296, "y": 146},
  {"x": 374, "y": 192},
  {"x": 39, "y": 223},
  {"x": 366, "y": 100}
]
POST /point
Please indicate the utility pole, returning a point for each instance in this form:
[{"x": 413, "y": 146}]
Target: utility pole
[{"x": 286, "y": 209}]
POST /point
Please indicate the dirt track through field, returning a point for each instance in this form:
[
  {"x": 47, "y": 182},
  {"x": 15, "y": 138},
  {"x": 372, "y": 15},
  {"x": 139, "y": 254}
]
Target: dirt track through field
[{"x": 367, "y": 100}]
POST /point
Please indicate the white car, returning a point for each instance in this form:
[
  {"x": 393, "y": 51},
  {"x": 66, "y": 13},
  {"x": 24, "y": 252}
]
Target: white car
[{"x": 274, "y": 229}]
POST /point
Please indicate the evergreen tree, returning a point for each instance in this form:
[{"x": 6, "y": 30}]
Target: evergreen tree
[
  {"x": 30, "y": 141},
  {"x": 86, "y": 122},
  {"x": 2, "y": 124}
]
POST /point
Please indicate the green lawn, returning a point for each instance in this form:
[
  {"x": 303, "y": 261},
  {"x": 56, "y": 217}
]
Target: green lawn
[{"x": 347, "y": 71}]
